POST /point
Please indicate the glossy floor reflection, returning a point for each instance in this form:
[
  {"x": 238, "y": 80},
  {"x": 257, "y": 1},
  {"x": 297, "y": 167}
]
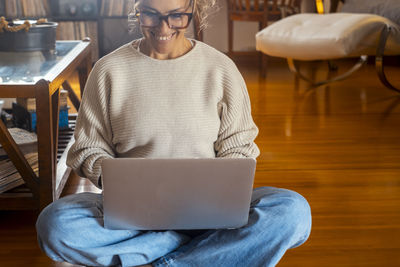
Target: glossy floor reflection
[{"x": 339, "y": 146}]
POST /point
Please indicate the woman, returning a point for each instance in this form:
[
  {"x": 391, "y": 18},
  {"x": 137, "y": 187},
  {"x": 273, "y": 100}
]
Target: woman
[{"x": 167, "y": 96}]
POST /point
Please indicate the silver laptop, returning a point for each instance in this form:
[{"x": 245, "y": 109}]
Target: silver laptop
[{"x": 177, "y": 194}]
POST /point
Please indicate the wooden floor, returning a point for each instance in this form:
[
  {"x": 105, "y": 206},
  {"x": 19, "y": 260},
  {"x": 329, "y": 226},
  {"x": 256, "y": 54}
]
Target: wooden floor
[{"x": 338, "y": 145}]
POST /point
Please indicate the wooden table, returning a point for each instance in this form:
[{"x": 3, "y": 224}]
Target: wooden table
[{"x": 40, "y": 75}]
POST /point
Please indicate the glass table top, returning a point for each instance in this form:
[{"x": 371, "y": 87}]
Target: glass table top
[{"x": 29, "y": 67}]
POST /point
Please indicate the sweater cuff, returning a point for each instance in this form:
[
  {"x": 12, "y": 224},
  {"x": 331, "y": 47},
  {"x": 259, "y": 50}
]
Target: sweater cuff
[{"x": 234, "y": 155}]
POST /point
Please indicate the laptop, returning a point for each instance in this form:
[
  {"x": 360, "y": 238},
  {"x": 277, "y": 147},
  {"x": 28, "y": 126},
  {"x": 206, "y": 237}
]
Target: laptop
[{"x": 177, "y": 194}]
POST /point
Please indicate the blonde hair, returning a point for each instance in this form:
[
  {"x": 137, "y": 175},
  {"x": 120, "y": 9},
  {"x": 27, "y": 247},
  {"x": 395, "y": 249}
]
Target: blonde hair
[{"x": 202, "y": 10}]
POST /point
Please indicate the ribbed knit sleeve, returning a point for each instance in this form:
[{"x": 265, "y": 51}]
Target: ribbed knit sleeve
[
  {"x": 93, "y": 134},
  {"x": 237, "y": 130}
]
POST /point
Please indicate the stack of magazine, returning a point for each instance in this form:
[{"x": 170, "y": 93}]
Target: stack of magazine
[{"x": 9, "y": 176}]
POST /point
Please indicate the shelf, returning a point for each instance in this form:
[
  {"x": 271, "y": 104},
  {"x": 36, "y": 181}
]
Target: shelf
[
  {"x": 114, "y": 17},
  {"x": 18, "y": 199},
  {"x": 97, "y": 19},
  {"x": 21, "y": 197},
  {"x": 73, "y": 18}
]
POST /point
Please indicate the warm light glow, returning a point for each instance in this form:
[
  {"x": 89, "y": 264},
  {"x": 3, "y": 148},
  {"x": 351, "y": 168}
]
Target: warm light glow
[
  {"x": 320, "y": 6},
  {"x": 288, "y": 126}
]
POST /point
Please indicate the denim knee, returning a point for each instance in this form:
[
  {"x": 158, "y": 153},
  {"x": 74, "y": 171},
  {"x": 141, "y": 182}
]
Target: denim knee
[
  {"x": 52, "y": 225},
  {"x": 300, "y": 215},
  {"x": 292, "y": 208},
  {"x": 48, "y": 230}
]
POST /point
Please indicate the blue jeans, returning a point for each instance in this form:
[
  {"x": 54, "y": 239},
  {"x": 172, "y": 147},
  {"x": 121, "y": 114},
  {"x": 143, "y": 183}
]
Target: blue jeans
[{"x": 71, "y": 229}]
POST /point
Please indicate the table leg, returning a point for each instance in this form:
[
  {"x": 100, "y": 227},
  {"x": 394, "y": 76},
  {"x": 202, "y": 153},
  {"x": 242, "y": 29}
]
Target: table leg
[
  {"x": 55, "y": 98},
  {"x": 47, "y": 166},
  {"x": 72, "y": 96},
  {"x": 84, "y": 70}
]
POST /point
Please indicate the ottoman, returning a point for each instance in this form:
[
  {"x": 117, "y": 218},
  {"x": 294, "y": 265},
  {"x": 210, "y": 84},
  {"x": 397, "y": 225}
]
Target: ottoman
[{"x": 331, "y": 36}]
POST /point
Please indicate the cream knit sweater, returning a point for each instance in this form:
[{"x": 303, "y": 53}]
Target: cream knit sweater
[{"x": 194, "y": 106}]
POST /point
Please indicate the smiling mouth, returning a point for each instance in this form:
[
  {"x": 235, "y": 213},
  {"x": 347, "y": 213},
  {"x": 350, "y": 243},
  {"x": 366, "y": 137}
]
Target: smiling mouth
[{"x": 163, "y": 37}]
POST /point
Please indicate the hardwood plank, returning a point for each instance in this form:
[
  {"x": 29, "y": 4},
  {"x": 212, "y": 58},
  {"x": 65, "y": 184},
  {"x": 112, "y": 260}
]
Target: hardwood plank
[
  {"x": 333, "y": 257},
  {"x": 356, "y": 215},
  {"x": 309, "y": 142},
  {"x": 361, "y": 93}
]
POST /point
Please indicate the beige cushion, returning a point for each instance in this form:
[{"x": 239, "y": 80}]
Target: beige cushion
[{"x": 327, "y": 36}]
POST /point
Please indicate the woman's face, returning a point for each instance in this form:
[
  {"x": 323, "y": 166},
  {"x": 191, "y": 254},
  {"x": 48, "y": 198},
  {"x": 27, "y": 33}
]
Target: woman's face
[{"x": 162, "y": 39}]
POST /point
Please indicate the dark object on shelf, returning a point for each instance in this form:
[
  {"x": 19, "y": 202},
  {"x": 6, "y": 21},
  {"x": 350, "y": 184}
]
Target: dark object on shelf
[
  {"x": 75, "y": 8},
  {"x": 63, "y": 118},
  {"x": 23, "y": 118},
  {"x": 7, "y": 119},
  {"x": 27, "y": 119},
  {"x": 40, "y": 37}
]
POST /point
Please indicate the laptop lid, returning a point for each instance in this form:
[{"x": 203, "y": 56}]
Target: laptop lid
[{"x": 162, "y": 194}]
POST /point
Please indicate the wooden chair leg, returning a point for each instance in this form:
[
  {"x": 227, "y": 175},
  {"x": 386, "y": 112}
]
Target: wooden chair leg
[
  {"x": 263, "y": 64},
  {"x": 260, "y": 25},
  {"x": 332, "y": 66}
]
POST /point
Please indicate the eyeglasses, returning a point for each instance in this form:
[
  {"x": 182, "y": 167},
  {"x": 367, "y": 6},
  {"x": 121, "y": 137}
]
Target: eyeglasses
[{"x": 173, "y": 20}]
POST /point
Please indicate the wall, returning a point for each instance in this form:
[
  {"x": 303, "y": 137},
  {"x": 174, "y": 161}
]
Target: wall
[{"x": 216, "y": 34}]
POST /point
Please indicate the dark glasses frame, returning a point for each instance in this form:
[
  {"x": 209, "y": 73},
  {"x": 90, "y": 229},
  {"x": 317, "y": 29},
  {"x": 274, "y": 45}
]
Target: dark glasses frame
[{"x": 165, "y": 18}]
